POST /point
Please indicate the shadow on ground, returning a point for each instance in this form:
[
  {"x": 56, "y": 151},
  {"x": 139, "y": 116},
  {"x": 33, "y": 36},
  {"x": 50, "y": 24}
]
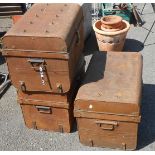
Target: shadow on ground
[
  {"x": 91, "y": 44},
  {"x": 146, "y": 134},
  {"x": 4, "y": 91},
  {"x": 2, "y": 34},
  {"x": 2, "y": 60},
  {"x": 133, "y": 45},
  {"x": 75, "y": 128},
  {"x": 97, "y": 67}
]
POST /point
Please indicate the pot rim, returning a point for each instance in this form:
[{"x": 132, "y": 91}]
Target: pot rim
[
  {"x": 111, "y": 33},
  {"x": 119, "y": 19},
  {"x": 112, "y": 30}
]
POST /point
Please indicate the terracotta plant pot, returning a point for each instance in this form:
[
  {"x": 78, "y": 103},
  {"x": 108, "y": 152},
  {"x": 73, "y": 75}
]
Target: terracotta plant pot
[
  {"x": 111, "y": 22},
  {"x": 15, "y": 18},
  {"x": 111, "y": 40}
]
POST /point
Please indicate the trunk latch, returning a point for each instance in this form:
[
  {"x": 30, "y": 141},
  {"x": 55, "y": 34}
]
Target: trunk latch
[{"x": 38, "y": 64}]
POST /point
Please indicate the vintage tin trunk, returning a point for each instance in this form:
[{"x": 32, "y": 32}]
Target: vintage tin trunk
[
  {"x": 107, "y": 106},
  {"x": 43, "y": 49},
  {"x": 50, "y": 114},
  {"x": 47, "y": 112}
]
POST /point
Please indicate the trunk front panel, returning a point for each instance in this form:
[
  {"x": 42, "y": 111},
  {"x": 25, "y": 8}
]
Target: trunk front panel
[
  {"x": 105, "y": 133},
  {"x": 47, "y": 118}
]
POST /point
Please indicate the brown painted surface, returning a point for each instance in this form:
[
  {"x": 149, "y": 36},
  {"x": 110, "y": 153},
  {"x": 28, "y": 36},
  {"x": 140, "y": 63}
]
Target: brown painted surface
[
  {"x": 57, "y": 47},
  {"x": 56, "y": 71},
  {"x": 44, "y": 55},
  {"x": 48, "y": 118},
  {"x": 47, "y": 111},
  {"x": 103, "y": 133},
  {"x": 51, "y": 99},
  {"x": 45, "y": 27},
  {"x": 51, "y": 112},
  {"x": 107, "y": 105}
]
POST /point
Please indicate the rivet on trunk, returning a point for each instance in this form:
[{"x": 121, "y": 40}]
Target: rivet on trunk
[
  {"x": 5, "y": 47},
  {"x": 47, "y": 31},
  {"x": 24, "y": 30},
  {"x": 36, "y": 15}
]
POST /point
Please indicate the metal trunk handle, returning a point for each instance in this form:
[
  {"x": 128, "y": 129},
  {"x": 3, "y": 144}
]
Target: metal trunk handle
[
  {"x": 110, "y": 125},
  {"x": 36, "y": 60},
  {"x": 44, "y": 109},
  {"x": 36, "y": 63}
]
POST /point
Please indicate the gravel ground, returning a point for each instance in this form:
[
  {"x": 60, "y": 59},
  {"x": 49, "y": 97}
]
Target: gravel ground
[{"x": 15, "y": 136}]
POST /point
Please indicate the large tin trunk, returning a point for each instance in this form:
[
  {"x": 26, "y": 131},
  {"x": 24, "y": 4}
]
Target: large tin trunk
[
  {"x": 107, "y": 106},
  {"x": 44, "y": 48}
]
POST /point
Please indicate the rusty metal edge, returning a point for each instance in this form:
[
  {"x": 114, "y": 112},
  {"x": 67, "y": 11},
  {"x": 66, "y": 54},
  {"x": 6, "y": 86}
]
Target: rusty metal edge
[{"x": 107, "y": 116}]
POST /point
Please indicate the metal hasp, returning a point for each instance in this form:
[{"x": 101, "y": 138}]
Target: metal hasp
[
  {"x": 38, "y": 64},
  {"x": 22, "y": 86},
  {"x": 59, "y": 87}
]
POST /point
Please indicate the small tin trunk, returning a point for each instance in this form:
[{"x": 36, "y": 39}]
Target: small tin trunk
[
  {"x": 59, "y": 108},
  {"x": 44, "y": 48},
  {"x": 107, "y": 106},
  {"x": 55, "y": 114}
]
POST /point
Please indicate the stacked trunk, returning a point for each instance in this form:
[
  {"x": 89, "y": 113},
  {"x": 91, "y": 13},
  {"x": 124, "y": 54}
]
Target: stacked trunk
[{"x": 44, "y": 56}]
